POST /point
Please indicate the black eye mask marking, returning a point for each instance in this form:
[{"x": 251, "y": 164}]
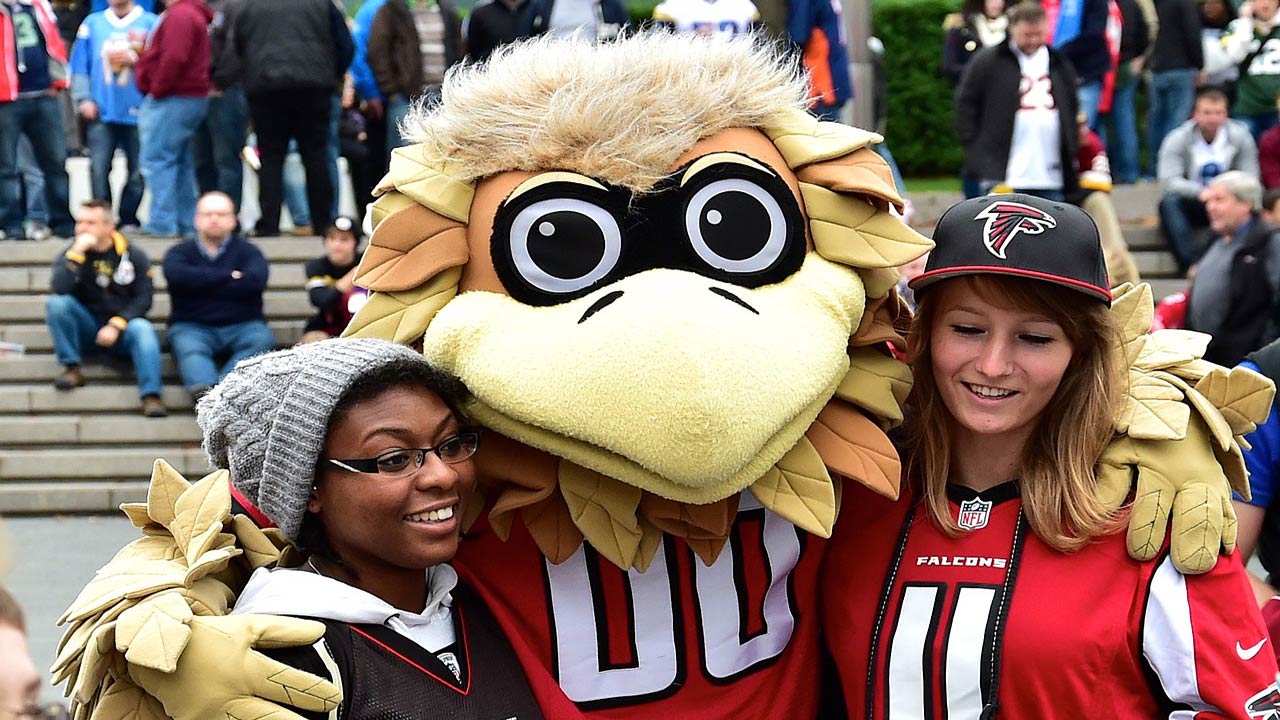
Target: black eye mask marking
[
  {"x": 558, "y": 241},
  {"x": 742, "y": 225},
  {"x": 731, "y": 222}
]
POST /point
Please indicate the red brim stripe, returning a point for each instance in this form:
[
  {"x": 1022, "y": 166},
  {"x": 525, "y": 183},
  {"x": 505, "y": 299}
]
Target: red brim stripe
[
  {"x": 256, "y": 515},
  {"x": 928, "y": 278}
]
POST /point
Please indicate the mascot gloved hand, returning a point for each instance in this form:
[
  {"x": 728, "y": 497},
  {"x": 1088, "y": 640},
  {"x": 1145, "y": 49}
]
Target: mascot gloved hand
[
  {"x": 1177, "y": 450},
  {"x": 669, "y": 290},
  {"x": 155, "y": 617}
]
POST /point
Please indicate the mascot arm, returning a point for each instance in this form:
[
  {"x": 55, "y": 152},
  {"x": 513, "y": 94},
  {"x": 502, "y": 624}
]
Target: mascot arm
[
  {"x": 150, "y": 635},
  {"x": 1179, "y": 434}
]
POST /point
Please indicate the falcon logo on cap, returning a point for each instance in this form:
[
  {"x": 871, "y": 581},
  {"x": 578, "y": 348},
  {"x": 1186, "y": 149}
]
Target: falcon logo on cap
[{"x": 1005, "y": 220}]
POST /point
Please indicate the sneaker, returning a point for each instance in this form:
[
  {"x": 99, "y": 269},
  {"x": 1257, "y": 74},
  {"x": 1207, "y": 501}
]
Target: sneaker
[
  {"x": 130, "y": 229},
  {"x": 303, "y": 231},
  {"x": 38, "y": 231},
  {"x": 152, "y": 407},
  {"x": 251, "y": 157},
  {"x": 70, "y": 378}
]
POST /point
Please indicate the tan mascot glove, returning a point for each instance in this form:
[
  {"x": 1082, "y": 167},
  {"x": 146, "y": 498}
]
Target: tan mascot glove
[
  {"x": 1178, "y": 439},
  {"x": 149, "y": 636}
]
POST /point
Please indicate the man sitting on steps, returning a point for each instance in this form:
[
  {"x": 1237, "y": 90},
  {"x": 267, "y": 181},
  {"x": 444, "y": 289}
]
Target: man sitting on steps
[
  {"x": 216, "y": 280},
  {"x": 102, "y": 292}
]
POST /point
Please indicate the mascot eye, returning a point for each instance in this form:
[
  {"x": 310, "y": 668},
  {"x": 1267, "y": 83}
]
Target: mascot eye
[
  {"x": 564, "y": 245},
  {"x": 737, "y": 226}
]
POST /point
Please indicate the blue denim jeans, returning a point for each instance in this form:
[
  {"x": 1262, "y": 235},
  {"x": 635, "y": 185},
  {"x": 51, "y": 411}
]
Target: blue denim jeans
[
  {"x": 1259, "y": 124},
  {"x": 1179, "y": 218},
  {"x": 217, "y": 144},
  {"x": 1122, "y": 141},
  {"x": 104, "y": 139},
  {"x": 40, "y": 119},
  {"x": 165, "y": 129},
  {"x": 32, "y": 182},
  {"x": 206, "y": 353},
  {"x": 1172, "y": 94},
  {"x": 74, "y": 330},
  {"x": 1089, "y": 96}
]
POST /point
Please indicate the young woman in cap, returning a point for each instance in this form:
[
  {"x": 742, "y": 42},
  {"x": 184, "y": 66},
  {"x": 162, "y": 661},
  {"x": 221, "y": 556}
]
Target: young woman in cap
[
  {"x": 1007, "y": 589},
  {"x": 356, "y": 451}
]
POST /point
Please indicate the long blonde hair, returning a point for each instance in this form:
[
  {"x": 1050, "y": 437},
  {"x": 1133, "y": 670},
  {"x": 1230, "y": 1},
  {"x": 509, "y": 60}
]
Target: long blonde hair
[{"x": 1056, "y": 473}]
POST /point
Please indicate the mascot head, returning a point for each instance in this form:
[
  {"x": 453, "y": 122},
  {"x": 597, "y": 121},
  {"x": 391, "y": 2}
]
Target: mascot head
[{"x": 664, "y": 282}]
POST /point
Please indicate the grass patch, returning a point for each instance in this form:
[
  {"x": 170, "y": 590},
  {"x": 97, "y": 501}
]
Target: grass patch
[{"x": 934, "y": 184}]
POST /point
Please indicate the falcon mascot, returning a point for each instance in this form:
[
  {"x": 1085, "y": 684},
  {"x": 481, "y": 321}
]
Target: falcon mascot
[{"x": 670, "y": 290}]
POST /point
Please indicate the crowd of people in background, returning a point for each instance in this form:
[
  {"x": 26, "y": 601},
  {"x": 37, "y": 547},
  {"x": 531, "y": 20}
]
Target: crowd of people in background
[
  {"x": 1045, "y": 97},
  {"x": 191, "y": 91},
  {"x": 192, "y": 96}
]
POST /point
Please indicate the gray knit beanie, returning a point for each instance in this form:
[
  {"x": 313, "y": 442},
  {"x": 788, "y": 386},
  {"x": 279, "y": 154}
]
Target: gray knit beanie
[{"x": 266, "y": 420}]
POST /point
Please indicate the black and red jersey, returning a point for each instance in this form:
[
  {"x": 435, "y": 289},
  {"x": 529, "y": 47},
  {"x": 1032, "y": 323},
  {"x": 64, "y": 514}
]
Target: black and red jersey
[
  {"x": 995, "y": 621},
  {"x": 735, "y": 639}
]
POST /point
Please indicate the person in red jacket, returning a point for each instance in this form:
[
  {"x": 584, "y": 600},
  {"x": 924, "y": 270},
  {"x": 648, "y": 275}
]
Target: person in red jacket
[
  {"x": 33, "y": 70},
  {"x": 1269, "y": 155},
  {"x": 173, "y": 73},
  {"x": 998, "y": 585}
]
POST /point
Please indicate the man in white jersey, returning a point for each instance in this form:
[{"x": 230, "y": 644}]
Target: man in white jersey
[
  {"x": 716, "y": 18},
  {"x": 1015, "y": 111},
  {"x": 1191, "y": 156}
]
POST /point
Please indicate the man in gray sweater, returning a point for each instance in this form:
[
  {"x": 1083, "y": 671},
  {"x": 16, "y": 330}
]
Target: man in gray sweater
[{"x": 1191, "y": 156}]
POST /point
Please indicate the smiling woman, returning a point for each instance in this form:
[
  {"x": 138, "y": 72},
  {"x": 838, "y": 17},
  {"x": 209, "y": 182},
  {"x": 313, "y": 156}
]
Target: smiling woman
[
  {"x": 358, "y": 452},
  {"x": 1006, "y": 555}
]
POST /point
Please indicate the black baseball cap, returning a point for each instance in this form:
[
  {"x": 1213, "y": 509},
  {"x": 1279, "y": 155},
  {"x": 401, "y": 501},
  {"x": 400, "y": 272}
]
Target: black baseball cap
[
  {"x": 1019, "y": 235},
  {"x": 346, "y": 224}
]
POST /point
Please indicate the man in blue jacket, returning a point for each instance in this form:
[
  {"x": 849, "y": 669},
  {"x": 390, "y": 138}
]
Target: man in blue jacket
[
  {"x": 216, "y": 280},
  {"x": 107, "y": 97}
]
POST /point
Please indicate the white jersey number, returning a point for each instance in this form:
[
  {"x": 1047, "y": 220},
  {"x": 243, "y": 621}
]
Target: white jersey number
[
  {"x": 1267, "y": 61},
  {"x": 729, "y": 648},
  {"x": 965, "y": 651}
]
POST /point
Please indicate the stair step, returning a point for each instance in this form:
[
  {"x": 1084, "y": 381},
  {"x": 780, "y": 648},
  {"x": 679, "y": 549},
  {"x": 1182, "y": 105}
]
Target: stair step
[
  {"x": 1134, "y": 203},
  {"x": 133, "y": 463},
  {"x": 98, "y": 429},
  {"x": 36, "y": 339},
  {"x": 1160, "y": 287},
  {"x": 36, "y": 279},
  {"x": 70, "y": 496},
  {"x": 43, "y": 368},
  {"x": 276, "y": 249},
  {"x": 44, "y": 398},
  {"x": 1144, "y": 237},
  {"x": 277, "y": 304},
  {"x": 1155, "y": 264}
]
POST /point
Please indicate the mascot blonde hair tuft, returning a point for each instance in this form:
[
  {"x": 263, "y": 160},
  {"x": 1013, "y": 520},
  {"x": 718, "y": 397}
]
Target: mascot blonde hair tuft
[{"x": 623, "y": 118}]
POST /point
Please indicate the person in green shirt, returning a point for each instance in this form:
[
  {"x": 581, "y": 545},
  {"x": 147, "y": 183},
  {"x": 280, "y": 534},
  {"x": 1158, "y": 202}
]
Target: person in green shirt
[{"x": 1253, "y": 43}]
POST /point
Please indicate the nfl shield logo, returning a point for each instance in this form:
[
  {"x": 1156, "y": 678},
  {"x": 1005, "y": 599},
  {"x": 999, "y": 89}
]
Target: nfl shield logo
[{"x": 974, "y": 514}]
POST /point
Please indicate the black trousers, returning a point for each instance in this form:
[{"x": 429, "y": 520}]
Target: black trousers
[{"x": 301, "y": 114}]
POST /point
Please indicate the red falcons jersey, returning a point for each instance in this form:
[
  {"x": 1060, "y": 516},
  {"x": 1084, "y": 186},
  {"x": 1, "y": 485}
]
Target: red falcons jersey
[
  {"x": 736, "y": 639},
  {"x": 921, "y": 625}
]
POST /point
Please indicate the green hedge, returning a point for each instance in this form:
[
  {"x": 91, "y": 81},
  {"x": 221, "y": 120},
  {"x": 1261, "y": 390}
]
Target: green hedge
[{"x": 920, "y": 129}]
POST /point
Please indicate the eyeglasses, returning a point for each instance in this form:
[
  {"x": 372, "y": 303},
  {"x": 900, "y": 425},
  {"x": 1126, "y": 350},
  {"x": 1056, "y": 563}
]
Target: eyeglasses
[{"x": 398, "y": 463}]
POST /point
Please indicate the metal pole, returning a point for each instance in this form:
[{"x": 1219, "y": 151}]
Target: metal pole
[{"x": 857, "y": 18}]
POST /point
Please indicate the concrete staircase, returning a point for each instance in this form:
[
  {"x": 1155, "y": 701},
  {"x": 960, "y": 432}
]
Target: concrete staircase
[{"x": 90, "y": 449}]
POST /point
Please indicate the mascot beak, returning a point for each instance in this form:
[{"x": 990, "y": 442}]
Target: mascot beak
[{"x": 684, "y": 386}]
